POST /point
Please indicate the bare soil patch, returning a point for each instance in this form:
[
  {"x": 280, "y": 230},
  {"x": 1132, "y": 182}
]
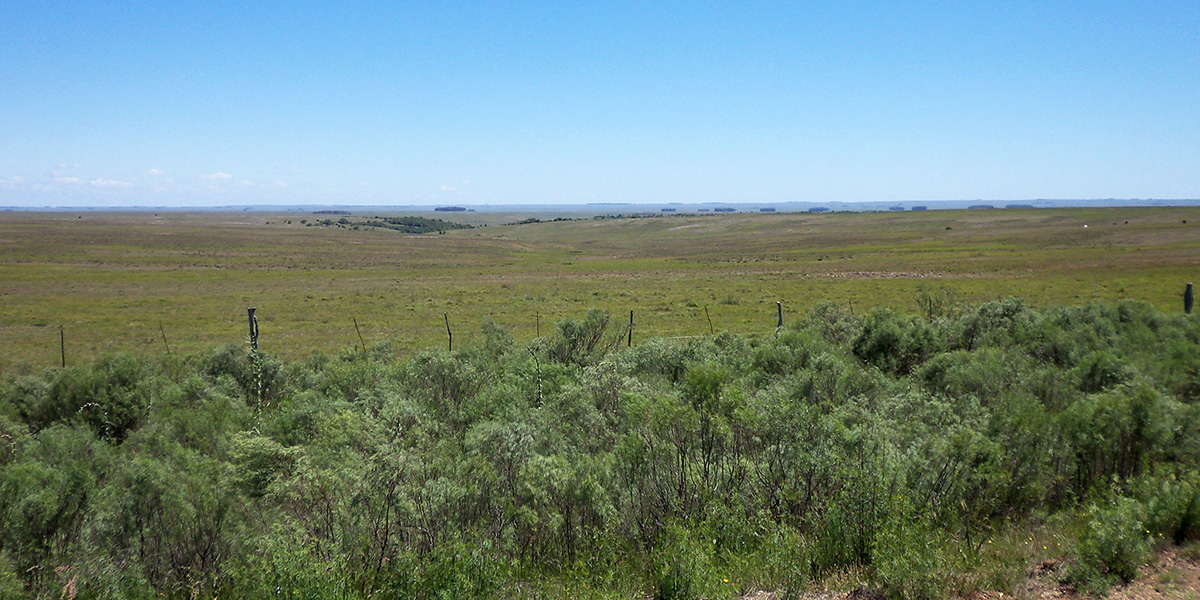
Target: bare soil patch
[{"x": 1175, "y": 574}]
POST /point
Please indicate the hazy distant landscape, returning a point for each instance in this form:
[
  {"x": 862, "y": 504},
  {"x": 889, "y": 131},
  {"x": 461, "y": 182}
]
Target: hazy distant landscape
[
  {"x": 958, "y": 403},
  {"x": 613, "y": 208}
]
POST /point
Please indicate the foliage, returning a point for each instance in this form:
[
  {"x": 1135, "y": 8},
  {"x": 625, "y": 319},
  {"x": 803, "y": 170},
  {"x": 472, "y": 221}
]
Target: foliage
[
  {"x": 898, "y": 447},
  {"x": 1113, "y": 545},
  {"x": 894, "y": 342},
  {"x": 908, "y": 554}
]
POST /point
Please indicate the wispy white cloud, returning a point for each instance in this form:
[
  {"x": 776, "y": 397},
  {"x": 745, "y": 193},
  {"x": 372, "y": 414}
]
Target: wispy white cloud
[
  {"x": 217, "y": 175},
  {"x": 446, "y": 188},
  {"x": 69, "y": 165},
  {"x": 102, "y": 182},
  {"x": 61, "y": 179},
  {"x": 153, "y": 172}
]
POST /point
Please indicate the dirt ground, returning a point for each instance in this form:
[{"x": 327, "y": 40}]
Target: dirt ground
[{"x": 1175, "y": 575}]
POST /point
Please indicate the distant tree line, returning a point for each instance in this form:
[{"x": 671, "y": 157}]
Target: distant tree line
[{"x": 401, "y": 224}]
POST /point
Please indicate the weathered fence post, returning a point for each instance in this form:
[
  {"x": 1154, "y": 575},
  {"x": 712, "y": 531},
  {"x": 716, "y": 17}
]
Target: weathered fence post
[
  {"x": 779, "y": 308},
  {"x": 360, "y": 338},
  {"x": 62, "y": 345},
  {"x": 1188, "y": 299},
  {"x": 253, "y": 328},
  {"x": 449, "y": 335},
  {"x": 710, "y": 328},
  {"x": 164, "y": 336},
  {"x": 629, "y": 344}
]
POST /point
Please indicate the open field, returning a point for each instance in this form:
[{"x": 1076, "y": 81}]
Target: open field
[{"x": 110, "y": 279}]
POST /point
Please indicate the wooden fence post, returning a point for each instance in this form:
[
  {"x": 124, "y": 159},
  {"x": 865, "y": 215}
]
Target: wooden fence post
[
  {"x": 710, "y": 327},
  {"x": 360, "y": 338},
  {"x": 449, "y": 335},
  {"x": 629, "y": 344},
  {"x": 164, "y": 336},
  {"x": 253, "y": 328},
  {"x": 1188, "y": 299},
  {"x": 779, "y": 308},
  {"x": 62, "y": 345}
]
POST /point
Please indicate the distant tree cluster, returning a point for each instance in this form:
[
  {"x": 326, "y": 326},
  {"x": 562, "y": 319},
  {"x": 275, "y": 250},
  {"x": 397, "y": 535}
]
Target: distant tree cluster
[
  {"x": 921, "y": 451},
  {"x": 401, "y": 224},
  {"x": 532, "y": 220}
]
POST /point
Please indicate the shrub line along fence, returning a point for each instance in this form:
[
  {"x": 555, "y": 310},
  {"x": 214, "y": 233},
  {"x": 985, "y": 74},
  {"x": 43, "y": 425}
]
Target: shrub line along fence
[
  {"x": 1188, "y": 303},
  {"x": 537, "y": 324}
]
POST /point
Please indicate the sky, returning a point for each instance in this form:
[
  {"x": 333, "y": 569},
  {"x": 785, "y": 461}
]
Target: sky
[{"x": 416, "y": 103}]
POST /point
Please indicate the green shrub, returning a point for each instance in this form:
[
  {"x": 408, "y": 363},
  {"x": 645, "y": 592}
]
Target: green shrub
[
  {"x": 496, "y": 339},
  {"x": 446, "y": 384},
  {"x": 658, "y": 357},
  {"x": 459, "y": 568},
  {"x": 908, "y": 559},
  {"x": 1120, "y": 432},
  {"x": 260, "y": 376},
  {"x": 846, "y": 533},
  {"x": 579, "y": 341},
  {"x": 1172, "y": 506},
  {"x": 11, "y": 587},
  {"x": 833, "y": 322},
  {"x": 1101, "y": 370},
  {"x": 45, "y": 495},
  {"x": 13, "y": 438},
  {"x": 168, "y": 514},
  {"x": 680, "y": 567},
  {"x": 788, "y": 562},
  {"x": 894, "y": 342},
  {"x": 1001, "y": 324},
  {"x": 986, "y": 374},
  {"x": 282, "y": 564},
  {"x": 259, "y": 462},
  {"x": 111, "y": 396},
  {"x": 1114, "y": 543}
]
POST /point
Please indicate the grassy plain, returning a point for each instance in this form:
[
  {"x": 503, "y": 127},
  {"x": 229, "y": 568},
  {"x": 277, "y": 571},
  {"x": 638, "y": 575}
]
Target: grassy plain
[{"x": 111, "y": 279}]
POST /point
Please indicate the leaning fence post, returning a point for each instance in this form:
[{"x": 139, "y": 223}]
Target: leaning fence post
[
  {"x": 360, "y": 338},
  {"x": 710, "y": 327},
  {"x": 164, "y": 336},
  {"x": 253, "y": 328},
  {"x": 1187, "y": 299},
  {"x": 779, "y": 308},
  {"x": 449, "y": 335}
]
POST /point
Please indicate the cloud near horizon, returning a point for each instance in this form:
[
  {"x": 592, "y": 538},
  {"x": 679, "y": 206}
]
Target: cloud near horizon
[{"x": 217, "y": 175}]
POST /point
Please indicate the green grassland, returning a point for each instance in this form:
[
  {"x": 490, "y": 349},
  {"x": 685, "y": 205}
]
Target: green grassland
[{"x": 111, "y": 279}]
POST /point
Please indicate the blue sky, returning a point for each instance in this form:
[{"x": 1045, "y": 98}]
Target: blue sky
[{"x": 215, "y": 103}]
